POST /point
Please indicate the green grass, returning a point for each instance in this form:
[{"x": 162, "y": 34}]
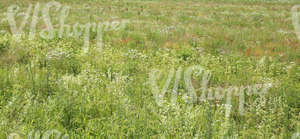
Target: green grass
[{"x": 53, "y": 84}]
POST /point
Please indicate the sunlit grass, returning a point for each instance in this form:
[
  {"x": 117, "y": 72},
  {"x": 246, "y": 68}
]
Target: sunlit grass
[{"x": 53, "y": 84}]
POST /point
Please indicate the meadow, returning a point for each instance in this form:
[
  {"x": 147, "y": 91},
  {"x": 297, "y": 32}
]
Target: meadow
[{"x": 110, "y": 89}]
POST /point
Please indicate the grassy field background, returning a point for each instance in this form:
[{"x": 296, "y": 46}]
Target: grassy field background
[{"x": 53, "y": 84}]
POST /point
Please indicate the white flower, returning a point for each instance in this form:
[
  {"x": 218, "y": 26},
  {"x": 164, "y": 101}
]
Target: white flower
[{"x": 57, "y": 54}]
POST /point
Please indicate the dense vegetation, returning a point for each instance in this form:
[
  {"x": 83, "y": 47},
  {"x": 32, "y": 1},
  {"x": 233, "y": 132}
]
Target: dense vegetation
[{"x": 48, "y": 84}]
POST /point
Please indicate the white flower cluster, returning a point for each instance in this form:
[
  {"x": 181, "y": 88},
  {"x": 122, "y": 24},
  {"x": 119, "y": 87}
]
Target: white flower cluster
[
  {"x": 168, "y": 29},
  {"x": 132, "y": 53},
  {"x": 57, "y": 54}
]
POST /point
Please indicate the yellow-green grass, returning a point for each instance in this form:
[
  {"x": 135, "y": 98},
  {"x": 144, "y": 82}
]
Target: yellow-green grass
[{"x": 108, "y": 94}]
